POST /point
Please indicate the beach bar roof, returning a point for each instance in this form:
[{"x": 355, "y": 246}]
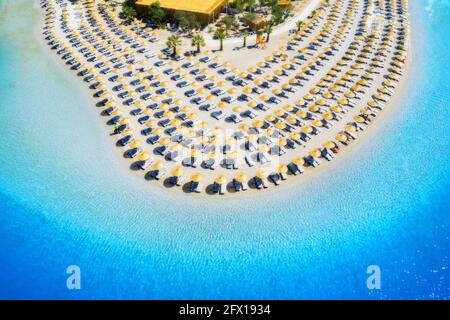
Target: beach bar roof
[{"x": 205, "y": 9}]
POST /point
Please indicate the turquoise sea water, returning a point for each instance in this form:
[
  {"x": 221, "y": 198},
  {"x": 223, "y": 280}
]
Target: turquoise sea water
[{"x": 66, "y": 198}]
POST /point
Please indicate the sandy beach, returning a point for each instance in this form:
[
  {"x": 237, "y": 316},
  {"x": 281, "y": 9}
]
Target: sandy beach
[{"x": 236, "y": 59}]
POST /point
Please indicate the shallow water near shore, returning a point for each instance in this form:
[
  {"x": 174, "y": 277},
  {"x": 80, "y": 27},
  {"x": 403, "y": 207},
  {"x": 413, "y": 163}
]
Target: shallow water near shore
[{"x": 66, "y": 197}]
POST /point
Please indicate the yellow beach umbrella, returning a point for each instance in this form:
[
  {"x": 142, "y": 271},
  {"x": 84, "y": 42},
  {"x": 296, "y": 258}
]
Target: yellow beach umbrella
[
  {"x": 220, "y": 179},
  {"x": 158, "y": 165},
  {"x": 299, "y": 161},
  {"x": 261, "y": 174},
  {"x": 329, "y": 144},
  {"x": 241, "y": 177},
  {"x": 196, "y": 177},
  {"x": 350, "y": 127},
  {"x": 164, "y": 141},
  {"x": 177, "y": 171},
  {"x": 315, "y": 153},
  {"x": 143, "y": 156},
  {"x": 341, "y": 137},
  {"x": 359, "y": 119}
]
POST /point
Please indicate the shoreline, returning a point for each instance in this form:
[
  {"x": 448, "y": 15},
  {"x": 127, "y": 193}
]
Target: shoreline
[{"x": 393, "y": 102}]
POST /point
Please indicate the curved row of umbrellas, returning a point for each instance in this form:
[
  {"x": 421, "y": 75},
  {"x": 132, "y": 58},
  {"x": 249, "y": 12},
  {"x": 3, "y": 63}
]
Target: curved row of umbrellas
[{"x": 334, "y": 94}]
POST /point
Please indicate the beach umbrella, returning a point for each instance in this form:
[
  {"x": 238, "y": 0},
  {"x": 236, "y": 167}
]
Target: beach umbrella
[
  {"x": 171, "y": 93},
  {"x": 318, "y": 123},
  {"x": 241, "y": 177},
  {"x": 307, "y": 129},
  {"x": 328, "y": 116},
  {"x": 308, "y": 96},
  {"x": 359, "y": 119},
  {"x": 278, "y": 72},
  {"x": 124, "y": 121},
  {"x": 164, "y": 141},
  {"x": 299, "y": 161},
  {"x": 196, "y": 177},
  {"x": 281, "y": 142},
  {"x": 366, "y": 111},
  {"x": 280, "y": 125},
  {"x": 350, "y": 127},
  {"x": 176, "y": 147},
  {"x": 257, "y": 123},
  {"x": 336, "y": 108},
  {"x": 203, "y": 125},
  {"x": 341, "y": 137},
  {"x": 220, "y": 179},
  {"x": 150, "y": 123},
  {"x": 315, "y": 153},
  {"x": 143, "y": 156},
  {"x": 329, "y": 145},
  {"x": 261, "y": 174},
  {"x": 177, "y": 171},
  {"x": 135, "y": 144},
  {"x": 350, "y": 94},
  {"x": 158, "y": 165},
  {"x": 157, "y": 131},
  {"x": 313, "y": 108},
  {"x": 294, "y": 136},
  {"x": 327, "y": 95},
  {"x": 247, "y": 90},
  {"x": 244, "y": 127},
  {"x": 314, "y": 91},
  {"x": 192, "y": 116},
  {"x": 301, "y": 114},
  {"x": 222, "y": 104},
  {"x": 283, "y": 169},
  {"x": 185, "y": 109},
  {"x": 178, "y": 102},
  {"x": 237, "y": 109},
  {"x": 270, "y": 118}
]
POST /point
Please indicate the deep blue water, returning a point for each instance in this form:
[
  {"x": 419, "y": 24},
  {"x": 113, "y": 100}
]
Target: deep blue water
[{"x": 66, "y": 198}]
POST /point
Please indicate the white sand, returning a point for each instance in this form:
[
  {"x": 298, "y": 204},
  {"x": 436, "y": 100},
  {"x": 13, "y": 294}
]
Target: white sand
[{"x": 240, "y": 59}]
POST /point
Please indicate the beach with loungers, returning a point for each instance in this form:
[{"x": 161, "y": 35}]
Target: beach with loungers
[{"x": 235, "y": 121}]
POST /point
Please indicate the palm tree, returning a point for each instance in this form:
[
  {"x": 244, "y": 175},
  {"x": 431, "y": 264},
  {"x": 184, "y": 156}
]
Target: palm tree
[
  {"x": 220, "y": 34},
  {"x": 228, "y": 21},
  {"x": 251, "y": 4},
  {"x": 198, "y": 41},
  {"x": 269, "y": 29},
  {"x": 173, "y": 42},
  {"x": 129, "y": 13},
  {"x": 299, "y": 25},
  {"x": 244, "y": 36}
]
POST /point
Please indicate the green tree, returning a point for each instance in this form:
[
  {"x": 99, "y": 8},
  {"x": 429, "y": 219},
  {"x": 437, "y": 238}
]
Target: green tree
[
  {"x": 221, "y": 35},
  {"x": 238, "y": 5},
  {"x": 198, "y": 41},
  {"x": 299, "y": 24},
  {"x": 186, "y": 20},
  {"x": 129, "y": 10},
  {"x": 250, "y": 4},
  {"x": 173, "y": 42},
  {"x": 244, "y": 37},
  {"x": 156, "y": 14},
  {"x": 248, "y": 19},
  {"x": 268, "y": 29},
  {"x": 229, "y": 22}
]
